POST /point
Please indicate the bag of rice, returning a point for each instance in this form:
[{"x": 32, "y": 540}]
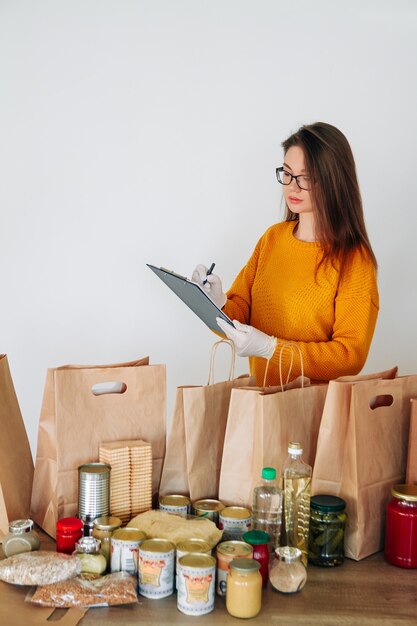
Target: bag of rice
[{"x": 39, "y": 568}]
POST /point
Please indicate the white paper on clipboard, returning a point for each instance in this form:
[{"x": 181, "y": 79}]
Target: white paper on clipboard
[{"x": 193, "y": 296}]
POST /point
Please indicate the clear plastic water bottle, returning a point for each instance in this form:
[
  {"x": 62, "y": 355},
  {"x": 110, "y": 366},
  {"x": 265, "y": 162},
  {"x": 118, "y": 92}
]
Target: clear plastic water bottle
[
  {"x": 267, "y": 506},
  {"x": 297, "y": 483}
]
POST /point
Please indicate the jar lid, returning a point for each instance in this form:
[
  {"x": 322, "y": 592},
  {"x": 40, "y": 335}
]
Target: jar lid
[
  {"x": 88, "y": 545},
  {"x": 69, "y": 524},
  {"x": 256, "y": 537},
  {"x": 405, "y": 492},
  {"x": 269, "y": 473},
  {"x": 287, "y": 553},
  {"x": 327, "y": 504},
  {"x": 20, "y": 526},
  {"x": 245, "y": 566},
  {"x": 107, "y": 523}
]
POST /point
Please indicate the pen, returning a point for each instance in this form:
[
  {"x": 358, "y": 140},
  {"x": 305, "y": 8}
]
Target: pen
[{"x": 209, "y": 272}]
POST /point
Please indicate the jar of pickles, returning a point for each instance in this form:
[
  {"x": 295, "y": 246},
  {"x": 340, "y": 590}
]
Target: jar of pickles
[{"x": 327, "y": 530}]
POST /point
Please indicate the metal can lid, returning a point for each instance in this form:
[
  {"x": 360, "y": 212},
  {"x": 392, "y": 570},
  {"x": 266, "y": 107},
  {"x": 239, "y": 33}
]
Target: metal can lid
[
  {"x": 69, "y": 524},
  {"x": 235, "y": 512},
  {"x": 20, "y": 526},
  {"x": 193, "y": 545},
  {"x": 208, "y": 505},
  {"x": 245, "y": 566},
  {"x": 129, "y": 534},
  {"x": 94, "y": 468},
  {"x": 405, "y": 492},
  {"x": 174, "y": 500},
  {"x": 157, "y": 545},
  {"x": 327, "y": 504},
  {"x": 107, "y": 523},
  {"x": 234, "y": 548},
  {"x": 197, "y": 561},
  {"x": 256, "y": 537}
]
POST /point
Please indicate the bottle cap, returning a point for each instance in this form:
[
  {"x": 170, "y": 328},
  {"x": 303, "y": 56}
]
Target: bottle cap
[
  {"x": 256, "y": 537},
  {"x": 327, "y": 504},
  {"x": 269, "y": 473},
  {"x": 294, "y": 447},
  {"x": 405, "y": 492}
]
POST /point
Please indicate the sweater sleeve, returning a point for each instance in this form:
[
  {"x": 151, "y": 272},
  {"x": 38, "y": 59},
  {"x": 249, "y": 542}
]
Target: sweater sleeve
[{"x": 356, "y": 312}]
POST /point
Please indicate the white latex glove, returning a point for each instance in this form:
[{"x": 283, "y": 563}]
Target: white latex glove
[
  {"x": 249, "y": 341},
  {"x": 211, "y": 283}
]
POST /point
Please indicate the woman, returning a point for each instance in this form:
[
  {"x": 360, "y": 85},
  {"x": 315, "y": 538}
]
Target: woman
[{"x": 311, "y": 279}]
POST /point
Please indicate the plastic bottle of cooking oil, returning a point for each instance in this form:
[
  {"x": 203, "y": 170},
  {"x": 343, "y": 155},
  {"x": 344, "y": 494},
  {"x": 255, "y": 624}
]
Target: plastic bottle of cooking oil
[{"x": 297, "y": 482}]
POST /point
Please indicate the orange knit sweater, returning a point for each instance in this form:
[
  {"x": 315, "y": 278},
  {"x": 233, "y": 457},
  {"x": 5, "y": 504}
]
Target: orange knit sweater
[{"x": 329, "y": 316}]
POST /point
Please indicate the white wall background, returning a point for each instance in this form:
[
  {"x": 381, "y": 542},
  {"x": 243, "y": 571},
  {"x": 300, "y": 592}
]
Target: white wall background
[{"x": 136, "y": 131}]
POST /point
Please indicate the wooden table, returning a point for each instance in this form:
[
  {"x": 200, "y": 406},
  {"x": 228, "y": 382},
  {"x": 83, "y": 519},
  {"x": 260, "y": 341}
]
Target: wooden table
[{"x": 365, "y": 593}]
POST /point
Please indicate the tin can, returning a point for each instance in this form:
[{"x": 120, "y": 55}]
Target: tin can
[
  {"x": 156, "y": 568},
  {"x": 93, "y": 493},
  {"x": 196, "y": 582},
  {"x": 225, "y": 553},
  {"x": 175, "y": 504},
  {"x": 190, "y": 546},
  {"x": 234, "y": 521},
  {"x": 125, "y": 544},
  {"x": 209, "y": 509}
]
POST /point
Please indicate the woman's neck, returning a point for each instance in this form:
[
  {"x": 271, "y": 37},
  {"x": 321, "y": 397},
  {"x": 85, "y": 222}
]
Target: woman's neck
[{"x": 305, "y": 230}]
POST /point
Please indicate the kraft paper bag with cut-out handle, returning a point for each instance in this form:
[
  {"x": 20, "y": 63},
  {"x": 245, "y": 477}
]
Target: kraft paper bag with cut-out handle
[
  {"x": 195, "y": 442},
  {"x": 78, "y": 413},
  {"x": 261, "y": 423},
  {"x": 411, "y": 473},
  {"x": 362, "y": 451},
  {"x": 16, "y": 464}
]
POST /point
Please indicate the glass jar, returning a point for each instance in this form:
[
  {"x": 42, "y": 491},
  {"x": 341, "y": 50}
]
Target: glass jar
[
  {"x": 68, "y": 531},
  {"x": 103, "y": 529},
  {"x": 244, "y": 588},
  {"x": 88, "y": 551},
  {"x": 287, "y": 573},
  {"x": 401, "y": 527},
  {"x": 20, "y": 538},
  {"x": 259, "y": 539},
  {"x": 327, "y": 531}
]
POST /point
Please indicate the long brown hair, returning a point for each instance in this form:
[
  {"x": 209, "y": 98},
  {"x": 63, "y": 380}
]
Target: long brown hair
[{"x": 339, "y": 222}]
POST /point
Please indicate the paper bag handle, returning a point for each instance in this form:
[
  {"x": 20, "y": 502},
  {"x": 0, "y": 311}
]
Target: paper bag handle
[
  {"x": 282, "y": 347},
  {"x": 212, "y": 358}
]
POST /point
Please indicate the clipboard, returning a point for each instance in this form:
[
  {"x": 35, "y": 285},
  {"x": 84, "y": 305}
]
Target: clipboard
[{"x": 193, "y": 296}]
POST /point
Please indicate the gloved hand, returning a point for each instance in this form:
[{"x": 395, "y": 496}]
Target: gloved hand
[
  {"x": 249, "y": 341},
  {"x": 213, "y": 286}
]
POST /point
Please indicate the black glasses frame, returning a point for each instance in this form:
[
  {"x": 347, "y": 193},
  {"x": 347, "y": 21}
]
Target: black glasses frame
[{"x": 292, "y": 177}]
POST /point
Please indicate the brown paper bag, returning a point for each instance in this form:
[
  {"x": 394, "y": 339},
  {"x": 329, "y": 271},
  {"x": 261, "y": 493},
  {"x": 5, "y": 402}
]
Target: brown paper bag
[
  {"x": 16, "y": 464},
  {"x": 362, "y": 451},
  {"x": 74, "y": 421},
  {"x": 195, "y": 442},
  {"x": 261, "y": 423},
  {"x": 411, "y": 473}
]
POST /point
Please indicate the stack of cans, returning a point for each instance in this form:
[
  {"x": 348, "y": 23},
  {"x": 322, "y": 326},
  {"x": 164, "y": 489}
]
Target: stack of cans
[{"x": 93, "y": 493}]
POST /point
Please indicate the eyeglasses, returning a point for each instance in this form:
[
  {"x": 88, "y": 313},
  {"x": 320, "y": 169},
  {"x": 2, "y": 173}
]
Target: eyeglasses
[{"x": 285, "y": 178}]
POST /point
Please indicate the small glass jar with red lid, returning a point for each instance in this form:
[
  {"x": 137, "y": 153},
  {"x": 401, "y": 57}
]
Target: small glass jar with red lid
[
  {"x": 68, "y": 531},
  {"x": 401, "y": 527},
  {"x": 259, "y": 539}
]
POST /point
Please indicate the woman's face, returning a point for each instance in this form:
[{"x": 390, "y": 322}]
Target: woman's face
[{"x": 298, "y": 200}]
